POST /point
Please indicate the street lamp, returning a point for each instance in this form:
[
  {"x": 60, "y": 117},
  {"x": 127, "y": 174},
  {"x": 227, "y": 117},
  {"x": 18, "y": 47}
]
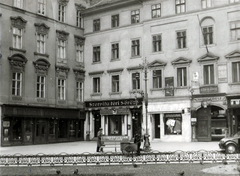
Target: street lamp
[{"x": 144, "y": 67}]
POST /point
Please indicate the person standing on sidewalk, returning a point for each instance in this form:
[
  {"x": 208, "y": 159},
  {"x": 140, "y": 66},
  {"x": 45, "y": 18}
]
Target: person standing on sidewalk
[
  {"x": 137, "y": 140},
  {"x": 99, "y": 142}
]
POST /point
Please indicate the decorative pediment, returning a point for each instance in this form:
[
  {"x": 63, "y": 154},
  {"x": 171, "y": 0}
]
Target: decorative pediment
[
  {"x": 133, "y": 68},
  {"x": 234, "y": 54},
  {"x": 62, "y": 35},
  {"x": 115, "y": 70},
  {"x": 181, "y": 60},
  {"x": 79, "y": 73},
  {"x": 63, "y": 2},
  {"x": 41, "y": 66},
  {"x": 42, "y": 28},
  {"x": 96, "y": 73},
  {"x": 18, "y": 22},
  {"x": 80, "y": 7},
  {"x": 79, "y": 40},
  {"x": 62, "y": 71},
  {"x": 18, "y": 62},
  {"x": 157, "y": 63},
  {"x": 208, "y": 57}
]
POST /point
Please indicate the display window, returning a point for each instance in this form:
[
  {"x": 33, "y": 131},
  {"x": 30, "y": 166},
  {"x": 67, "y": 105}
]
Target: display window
[
  {"x": 115, "y": 125},
  {"x": 173, "y": 124},
  {"x": 17, "y": 129}
]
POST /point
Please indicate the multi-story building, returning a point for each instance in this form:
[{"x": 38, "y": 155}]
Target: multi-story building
[
  {"x": 193, "y": 53},
  {"x": 42, "y": 71}
]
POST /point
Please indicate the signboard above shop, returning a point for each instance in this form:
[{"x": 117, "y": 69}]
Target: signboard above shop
[{"x": 209, "y": 89}]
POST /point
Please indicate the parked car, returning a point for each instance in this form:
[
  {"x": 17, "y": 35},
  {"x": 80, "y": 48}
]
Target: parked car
[{"x": 230, "y": 144}]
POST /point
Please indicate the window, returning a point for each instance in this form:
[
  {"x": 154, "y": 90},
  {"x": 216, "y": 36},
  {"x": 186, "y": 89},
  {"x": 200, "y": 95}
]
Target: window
[
  {"x": 115, "y": 83},
  {"x": 157, "y": 79},
  {"x": 208, "y": 74},
  {"x": 51, "y": 127},
  {"x": 61, "y": 89},
  {"x": 180, "y": 6},
  {"x": 17, "y": 84},
  {"x": 206, "y": 4},
  {"x": 41, "y": 86},
  {"x": 115, "y": 21},
  {"x": 208, "y": 35},
  {"x": 79, "y": 53},
  {"x": 61, "y": 13},
  {"x": 157, "y": 43},
  {"x": 96, "y": 25},
  {"x": 173, "y": 124},
  {"x": 135, "y": 48},
  {"x": 182, "y": 77},
  {"x": 235, "y": 31},
  {"x": 114, "y": 125},
  {"x": 135, "y": 81},
  {"x": 42, "y": 7},
  {"x": 156, "y": 10},
  {"x": 236, "y": 72},
  {"x": 135, "y": 16},
  {"x": 233, "y": 1},
  {"x": 17, "y": 129},
  {"x": 96, "y": 54},
  {"x": 115, "y": 51},
  {"x": 96, "y": 85},
  {"x": 18, "y": 3},
  {"x": 79, "y": 88},
  {"x": 181, "y": 39},
  {"x": 41, "y": 41},
  {"x": 79, "y": 20},
  {"x": 17, "y": 38},
  {"x": 61, "y": 49}
]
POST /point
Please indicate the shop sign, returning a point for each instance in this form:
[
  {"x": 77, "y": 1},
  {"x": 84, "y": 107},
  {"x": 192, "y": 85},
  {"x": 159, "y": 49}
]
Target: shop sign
[
  {"x": 211, "y": 99},
  {"x": 115, "y": 138},
  {"x": 111, "y": 103},
  {"x": 235, "y": 102},
  {"x": 209, "y": 89}
]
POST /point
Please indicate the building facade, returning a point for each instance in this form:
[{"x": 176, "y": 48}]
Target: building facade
[
  {"x": 42, "y": 71},
  {"x": 192, "y": 53}
]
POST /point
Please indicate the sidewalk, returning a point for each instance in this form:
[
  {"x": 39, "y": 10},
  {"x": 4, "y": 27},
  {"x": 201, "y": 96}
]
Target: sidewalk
[{"x": 90, "y": 147}]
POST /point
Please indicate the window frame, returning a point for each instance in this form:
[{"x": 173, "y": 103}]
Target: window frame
[
  {"x": 181, "y": 4},
  {"x": 115, "y": 20},
  {"x": 135, "y": 48},
  {"x": 96, "y": 85},
  {"x": 208, "y": 35},
  {"x": 236, "y": 30},
  {"x": 210, "y": 75},
  {"x": 235, "y": 76},
  {"x": 79, "y": 53},
  {"x": 41, "y": 7},
  {"x": 96, "y": 54},
  {"x": 135, "y": 16},
  {"x": 115, "y": 51},
  {"x": 157, "y": 42},
  {"x": 17, "y": 38},
  {"x": 41, "y": 87},
  {"x": 41, "y": 43},
  {"x": 61, "y": 49},
  {"x": 157, "y": 9},
  {"x": 61, "y": 85},
  {"x": 17, "y": 83},
  {"x": 159, "y": 78},
  {"x": 79, "y": 19},
  {"x": 183, "y": 80},
  {"x": 18, "y": 4},
  {"x": 183, "y": 39},
  {"x": 115, "y": 84},
  {"x": 62, "y": 13},
  {"x": 79, "y": 91},
  {"x": 206, "y": 4},
  {"x": 96, "y": 25},
  {"x": 136, "y": 83}
]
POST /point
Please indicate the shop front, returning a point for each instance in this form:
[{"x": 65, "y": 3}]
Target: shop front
[
  {"x": 234, "y": 113},
  {"x": 209, "y": 110},
  {"x": 170, "y": 120},
  {"x": 26, "y": 125},
  {"x": 116, "y": 117}
]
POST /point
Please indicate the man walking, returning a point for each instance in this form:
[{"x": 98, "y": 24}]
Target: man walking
[{"x": 99, "y": 142}]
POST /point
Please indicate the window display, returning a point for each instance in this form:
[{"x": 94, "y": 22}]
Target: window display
[{"x": 173, "y": 124}]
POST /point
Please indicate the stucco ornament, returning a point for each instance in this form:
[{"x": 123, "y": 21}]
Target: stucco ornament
[{"x": 18, "y": 22}]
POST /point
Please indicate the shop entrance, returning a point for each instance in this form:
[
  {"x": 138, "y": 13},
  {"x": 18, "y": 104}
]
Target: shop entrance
[
  {"x": 157, "y": 126},
  {"x": 97, "y": 123},
  {"x": 40, "y": 132}
]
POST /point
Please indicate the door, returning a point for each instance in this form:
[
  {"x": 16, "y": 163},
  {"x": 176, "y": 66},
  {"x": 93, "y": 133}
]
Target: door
[
  {"x": 204, "y": 124},
  {"x": 40, "y": 132},
  {"x": 97, "y": 124},
  {"x": 157, "y": 125}
]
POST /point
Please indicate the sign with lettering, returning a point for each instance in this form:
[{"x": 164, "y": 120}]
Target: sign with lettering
[
  {"x": 222, "y": 73},
  {"x": 235, "y": 102},
  {"x": 209, "y": 89},
  {"x": 111, "y": 103},
  {"x": 212, "y": 99},
  {"x": 115, "y": 138}
]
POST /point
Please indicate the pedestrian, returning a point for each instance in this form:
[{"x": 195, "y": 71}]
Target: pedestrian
[
  {"x": 137, "y": 140},
  {"x": 99, "y": 142}
]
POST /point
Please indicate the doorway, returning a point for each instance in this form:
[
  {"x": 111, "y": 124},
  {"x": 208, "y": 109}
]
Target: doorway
[
  {"x": 40, "y": 132},
  {"x": 97, "y": 123},
  {"x": 157, "y": 126}
]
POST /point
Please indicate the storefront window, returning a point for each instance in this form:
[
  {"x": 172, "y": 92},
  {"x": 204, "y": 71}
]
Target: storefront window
[
  {"x": 28, "y": 126},
  {"x": 173, "y": 124},
  {"x": 52, "y": 127},
  {"x": 17, "y": 129},
  {"x": 62, "y": 129},
  {"x": 72, "y": 128},
  {"x": 115, "y": 125}
]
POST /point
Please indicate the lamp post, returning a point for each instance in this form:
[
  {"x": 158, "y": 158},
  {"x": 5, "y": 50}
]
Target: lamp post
[{"x": 144, "y": 66}]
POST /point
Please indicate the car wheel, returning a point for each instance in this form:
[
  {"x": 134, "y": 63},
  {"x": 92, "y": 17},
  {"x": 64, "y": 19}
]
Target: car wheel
[{"x": 231, "y": 148}]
